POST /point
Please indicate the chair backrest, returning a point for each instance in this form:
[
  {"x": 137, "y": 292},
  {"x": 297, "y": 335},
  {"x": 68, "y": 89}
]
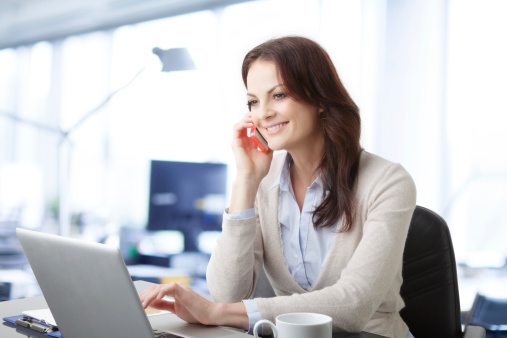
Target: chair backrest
[{"x": 430, "y": 284}]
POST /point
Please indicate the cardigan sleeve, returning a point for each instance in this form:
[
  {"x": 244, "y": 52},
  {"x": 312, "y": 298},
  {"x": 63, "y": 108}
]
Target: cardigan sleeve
[
  {"x": 238, "y": 256},
  {"x": 375, "y": 263},
  {"x": 236, "y": 261}
]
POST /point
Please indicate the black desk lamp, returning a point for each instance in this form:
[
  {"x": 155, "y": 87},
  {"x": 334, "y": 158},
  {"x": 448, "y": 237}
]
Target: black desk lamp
[{"x": 173, "y": 59}]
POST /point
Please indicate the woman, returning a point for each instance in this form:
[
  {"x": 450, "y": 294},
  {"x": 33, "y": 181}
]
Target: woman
[{"x": 327, "y": 220}]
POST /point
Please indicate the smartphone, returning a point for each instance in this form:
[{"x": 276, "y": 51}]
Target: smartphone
[{"x": 259, "y": 141}]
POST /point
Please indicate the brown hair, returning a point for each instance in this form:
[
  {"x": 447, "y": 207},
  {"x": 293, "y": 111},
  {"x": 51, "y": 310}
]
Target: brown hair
[{"x": 309, "y": 76}]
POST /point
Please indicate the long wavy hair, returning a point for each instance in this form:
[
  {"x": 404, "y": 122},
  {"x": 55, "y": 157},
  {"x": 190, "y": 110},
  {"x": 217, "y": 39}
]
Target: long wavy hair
[{"x": 309, "y": 76}]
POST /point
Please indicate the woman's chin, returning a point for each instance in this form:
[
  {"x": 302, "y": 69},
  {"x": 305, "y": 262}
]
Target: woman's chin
[{"x": 275, "y": 147}]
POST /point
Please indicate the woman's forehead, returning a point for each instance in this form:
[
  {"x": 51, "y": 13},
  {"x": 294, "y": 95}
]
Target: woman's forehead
[{"x": 263, "y": 76}]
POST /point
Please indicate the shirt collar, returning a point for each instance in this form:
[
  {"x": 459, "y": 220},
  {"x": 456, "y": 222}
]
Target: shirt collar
[{"x": 283, "y": 179}]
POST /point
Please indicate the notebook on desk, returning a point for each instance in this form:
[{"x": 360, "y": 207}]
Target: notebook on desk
[{"x": 90, "y": 293}]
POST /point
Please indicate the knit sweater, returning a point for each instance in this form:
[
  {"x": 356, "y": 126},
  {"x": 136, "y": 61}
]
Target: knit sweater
[{"x": 359, "y": 286}]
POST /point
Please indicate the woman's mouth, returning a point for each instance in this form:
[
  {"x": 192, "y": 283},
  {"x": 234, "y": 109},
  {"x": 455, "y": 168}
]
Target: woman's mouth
[{"x": 273, "y": 129}]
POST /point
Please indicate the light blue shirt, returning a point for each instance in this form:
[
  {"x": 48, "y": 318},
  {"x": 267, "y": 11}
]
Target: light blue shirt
[{"x": 305, "y": 250}]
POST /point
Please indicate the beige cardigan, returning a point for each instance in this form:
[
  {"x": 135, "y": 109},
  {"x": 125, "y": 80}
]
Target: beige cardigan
[{"x": 359, "y": 286}]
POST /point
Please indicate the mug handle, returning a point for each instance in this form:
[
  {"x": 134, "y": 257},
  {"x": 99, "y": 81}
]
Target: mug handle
[{"x": 264, "y": 321}]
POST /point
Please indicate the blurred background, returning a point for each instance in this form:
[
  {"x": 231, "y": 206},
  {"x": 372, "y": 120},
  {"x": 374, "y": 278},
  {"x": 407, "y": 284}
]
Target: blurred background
[{"x": 96, "y": 142}]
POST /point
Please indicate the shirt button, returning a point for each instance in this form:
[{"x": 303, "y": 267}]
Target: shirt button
[{"x": 299, "y": 261}]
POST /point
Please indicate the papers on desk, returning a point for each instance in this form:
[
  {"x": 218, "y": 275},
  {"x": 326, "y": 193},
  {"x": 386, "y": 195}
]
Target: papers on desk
[
  {"x": 42, "y": 314},
  {"x": 154, "y": 312}
]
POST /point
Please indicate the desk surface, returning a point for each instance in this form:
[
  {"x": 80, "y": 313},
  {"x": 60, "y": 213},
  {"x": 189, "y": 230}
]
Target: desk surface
[{"x": 15, "y": 307}]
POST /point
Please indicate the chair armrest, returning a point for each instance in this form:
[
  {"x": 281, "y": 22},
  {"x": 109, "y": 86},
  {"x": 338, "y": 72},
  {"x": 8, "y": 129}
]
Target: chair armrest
[{"x": 472, "y": 331}]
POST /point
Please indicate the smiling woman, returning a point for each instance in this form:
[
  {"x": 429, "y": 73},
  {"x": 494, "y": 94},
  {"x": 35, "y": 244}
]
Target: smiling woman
[
  {"x": 278, "y": 115},
  {"x": 327, "y": 220},
  {"x": 328, "y": 118}
]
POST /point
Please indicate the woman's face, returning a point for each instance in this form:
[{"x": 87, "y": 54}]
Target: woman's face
[{"x": 284, "y": 122}]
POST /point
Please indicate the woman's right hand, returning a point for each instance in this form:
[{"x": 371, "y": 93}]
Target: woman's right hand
[
  {"x": 250, "y": 162},
  {"x": 252, "y": 165}
]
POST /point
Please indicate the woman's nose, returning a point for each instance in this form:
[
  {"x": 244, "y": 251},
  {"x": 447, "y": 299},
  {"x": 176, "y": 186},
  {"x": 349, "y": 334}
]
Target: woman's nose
[{"x": 265, "y": 112}]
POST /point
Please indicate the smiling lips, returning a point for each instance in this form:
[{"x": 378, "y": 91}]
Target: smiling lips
[{"x": 273, "y": 129}]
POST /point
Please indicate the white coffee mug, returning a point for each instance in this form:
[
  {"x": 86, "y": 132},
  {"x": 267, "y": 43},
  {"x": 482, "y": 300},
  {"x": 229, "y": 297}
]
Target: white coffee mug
[{"x": 299, "y": 325}]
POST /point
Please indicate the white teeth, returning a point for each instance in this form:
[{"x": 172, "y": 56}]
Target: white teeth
[{"x": 277, "y": 126}]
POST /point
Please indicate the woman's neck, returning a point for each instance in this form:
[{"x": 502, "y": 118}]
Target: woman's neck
[{"x": 305, "y": 163}]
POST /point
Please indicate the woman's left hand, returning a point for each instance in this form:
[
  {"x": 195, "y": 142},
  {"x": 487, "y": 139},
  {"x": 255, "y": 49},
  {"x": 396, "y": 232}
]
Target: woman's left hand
[{"x": 188, "y": 305}]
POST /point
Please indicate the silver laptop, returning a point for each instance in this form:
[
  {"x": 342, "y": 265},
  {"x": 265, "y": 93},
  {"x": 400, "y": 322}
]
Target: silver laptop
[{"x": 90, "y": 292}]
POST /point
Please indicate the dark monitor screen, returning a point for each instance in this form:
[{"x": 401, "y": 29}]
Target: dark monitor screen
[{"x": 188, "y": 197}]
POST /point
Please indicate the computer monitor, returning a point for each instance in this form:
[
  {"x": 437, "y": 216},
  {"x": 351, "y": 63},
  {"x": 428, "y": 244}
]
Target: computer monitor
[{"x": 188, "y": 197}]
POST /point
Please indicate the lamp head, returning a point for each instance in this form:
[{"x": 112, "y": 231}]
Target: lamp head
[{"x": 174, "y": 59}]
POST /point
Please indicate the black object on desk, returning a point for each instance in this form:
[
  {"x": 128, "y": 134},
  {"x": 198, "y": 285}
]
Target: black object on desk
[
  {"x": 491, "y": 314},
  {"x": 5, "y": 291}
]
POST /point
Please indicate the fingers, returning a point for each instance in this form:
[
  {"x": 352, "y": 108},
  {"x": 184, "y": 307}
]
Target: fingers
[
  {"x": 153, "y": 296},
  {"x": 188, "y": 305},
  {"x": 156, "y": 292},
  {"x": 241, "y": 145},
  {"x": 240, "y": 126},
  {"x": 163, "y": 305}
]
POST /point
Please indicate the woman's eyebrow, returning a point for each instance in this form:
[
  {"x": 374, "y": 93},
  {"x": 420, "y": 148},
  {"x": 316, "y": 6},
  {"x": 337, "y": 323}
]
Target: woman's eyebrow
[{"x": 269, "y": 91}]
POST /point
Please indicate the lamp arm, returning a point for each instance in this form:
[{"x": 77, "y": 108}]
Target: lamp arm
[
  {"x": 62, "y": 133},
  {"x": 31, "y": 123},
  {"x": 102, "y": 104}
]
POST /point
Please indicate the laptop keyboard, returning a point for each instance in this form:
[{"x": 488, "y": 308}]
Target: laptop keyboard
[{"x": 161, "y": 334}]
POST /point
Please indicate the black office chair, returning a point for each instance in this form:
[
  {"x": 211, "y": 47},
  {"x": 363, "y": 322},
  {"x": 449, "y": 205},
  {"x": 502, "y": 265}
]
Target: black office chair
[{"x": 430, "y": 283}]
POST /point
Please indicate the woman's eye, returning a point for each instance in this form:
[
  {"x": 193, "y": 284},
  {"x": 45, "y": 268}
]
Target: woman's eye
[
  {"x": 251, "y": 103},
  {"x": 279, "y": 96}
]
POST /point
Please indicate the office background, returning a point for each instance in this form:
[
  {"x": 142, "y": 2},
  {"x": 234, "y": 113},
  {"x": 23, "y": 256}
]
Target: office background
[{"x": 428, "y": 76}]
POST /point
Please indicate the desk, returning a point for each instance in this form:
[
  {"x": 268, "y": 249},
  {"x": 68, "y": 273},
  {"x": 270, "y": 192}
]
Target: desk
[{"x": 15, "y": 307}]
